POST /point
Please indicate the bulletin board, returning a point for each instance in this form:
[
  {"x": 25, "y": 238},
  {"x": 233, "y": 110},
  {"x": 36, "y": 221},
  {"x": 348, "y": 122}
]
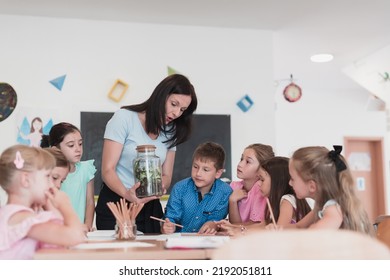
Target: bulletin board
[{"x": 214, "y": 128}]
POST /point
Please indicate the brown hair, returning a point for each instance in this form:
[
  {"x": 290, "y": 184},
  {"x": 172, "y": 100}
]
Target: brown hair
[
  {"x": 262, "y": 152},
  {"x": 277, "y": 169},
  {"x": 61, "y": 160},
  {"x": 210, "y": 151}
]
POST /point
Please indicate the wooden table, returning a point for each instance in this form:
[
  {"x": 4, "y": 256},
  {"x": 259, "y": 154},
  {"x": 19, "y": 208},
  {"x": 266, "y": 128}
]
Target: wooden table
[{"x": 156, "y": 252}]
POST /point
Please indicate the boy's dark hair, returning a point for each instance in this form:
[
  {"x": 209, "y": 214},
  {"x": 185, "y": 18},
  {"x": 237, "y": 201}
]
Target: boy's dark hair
[{"x": 210, "y": 151}]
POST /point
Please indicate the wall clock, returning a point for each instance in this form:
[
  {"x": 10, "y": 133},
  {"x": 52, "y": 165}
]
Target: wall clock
[{"x": 292, "y": 92}]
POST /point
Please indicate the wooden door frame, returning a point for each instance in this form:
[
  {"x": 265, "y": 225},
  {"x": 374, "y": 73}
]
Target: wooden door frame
[{"x": 379, "y": 155}]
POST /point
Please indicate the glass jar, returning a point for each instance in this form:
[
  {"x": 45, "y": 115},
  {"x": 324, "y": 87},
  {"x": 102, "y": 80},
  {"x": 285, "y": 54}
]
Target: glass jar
[
  {"x": 126, "y": 230},
  {"x": 147, "y": 171}
]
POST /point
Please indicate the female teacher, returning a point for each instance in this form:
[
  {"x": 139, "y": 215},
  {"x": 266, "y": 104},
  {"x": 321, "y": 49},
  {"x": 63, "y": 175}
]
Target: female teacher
[{"x": 164, "y": 120}]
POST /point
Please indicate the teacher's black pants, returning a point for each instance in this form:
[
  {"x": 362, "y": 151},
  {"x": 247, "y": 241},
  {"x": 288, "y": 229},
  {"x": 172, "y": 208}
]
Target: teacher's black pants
[{"x": 105, "y": 220}]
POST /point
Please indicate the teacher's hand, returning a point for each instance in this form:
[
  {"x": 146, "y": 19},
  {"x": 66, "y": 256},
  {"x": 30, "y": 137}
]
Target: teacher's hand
[{"x": 131, "y": 196}]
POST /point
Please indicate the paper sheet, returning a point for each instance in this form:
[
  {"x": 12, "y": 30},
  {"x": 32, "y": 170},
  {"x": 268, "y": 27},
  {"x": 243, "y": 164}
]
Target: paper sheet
[
  {"x": 198, "y": 241},
  {"x": 111, "y": 245}
]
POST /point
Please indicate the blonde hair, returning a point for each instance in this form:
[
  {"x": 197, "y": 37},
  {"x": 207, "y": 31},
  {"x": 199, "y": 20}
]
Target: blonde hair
[
  {"x": 32, "y": 158},
  {"x": 315, "y": 163}
]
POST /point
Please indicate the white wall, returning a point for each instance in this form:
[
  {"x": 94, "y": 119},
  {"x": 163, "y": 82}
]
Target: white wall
[
  {"x": 223, "y": 65},
  {"x": 324, "y": 118}
]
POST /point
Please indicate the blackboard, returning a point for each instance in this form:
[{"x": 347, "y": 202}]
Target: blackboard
[
  {"x": 214, "y": 128},
  {"x": 92, "y": 126}
]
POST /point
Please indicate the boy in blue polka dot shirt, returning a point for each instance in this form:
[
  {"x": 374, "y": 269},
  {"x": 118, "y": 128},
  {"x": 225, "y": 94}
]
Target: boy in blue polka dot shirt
[{"x": 196, "y": 202}]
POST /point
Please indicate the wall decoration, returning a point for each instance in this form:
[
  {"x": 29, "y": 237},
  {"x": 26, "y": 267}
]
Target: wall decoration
[
  {"x": 32, "y": 124},
  {"x": 245, "y": 103},
  {"x": 118, "y": 90},
  {"x": 385, "y": 76},
  {"x": 8, "y": 100},
  {"x": 58, "y": 82},
  {"x": 172, "y": 71},
  {"x": 292, "y": 92},
  {"x": 359, "y": 161}
]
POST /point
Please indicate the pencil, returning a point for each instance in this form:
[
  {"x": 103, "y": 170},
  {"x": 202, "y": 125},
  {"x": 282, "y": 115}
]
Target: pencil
[
  {"x": 163, "y": 221},
  {"x": 271, "y": 212}
]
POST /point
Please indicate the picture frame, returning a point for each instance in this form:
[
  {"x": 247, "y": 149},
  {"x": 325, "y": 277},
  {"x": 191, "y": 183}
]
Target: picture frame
[{"x": 118, "y": 90}]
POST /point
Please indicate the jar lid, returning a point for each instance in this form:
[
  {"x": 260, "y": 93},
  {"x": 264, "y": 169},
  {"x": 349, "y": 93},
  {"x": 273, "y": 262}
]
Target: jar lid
[{"x": 144, "y": 148}]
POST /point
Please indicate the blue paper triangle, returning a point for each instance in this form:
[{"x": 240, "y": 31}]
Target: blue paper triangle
[
  {"x": 58, "y": 82},
  {"x": 25, "y": 129},
  {"x": 47, "y": 127}
]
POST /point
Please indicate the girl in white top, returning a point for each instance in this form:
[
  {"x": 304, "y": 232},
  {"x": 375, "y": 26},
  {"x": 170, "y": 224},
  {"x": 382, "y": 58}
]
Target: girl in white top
[
  {"x": 275, "y": 178},
  {"x": 324, "y": 176}
]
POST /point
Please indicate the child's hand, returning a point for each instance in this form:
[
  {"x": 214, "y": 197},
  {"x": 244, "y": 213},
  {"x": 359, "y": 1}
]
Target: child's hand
[
  {"x": 237, "y": 195},
  {"x": 49, "y": 206},
  {"x": 57, "y": 199},
  {"x": 227, "y": 228},
  {"x": 209, "y": 227},
  {"x": 86, "y": 229},
  {"x": 168, "y": 227}
]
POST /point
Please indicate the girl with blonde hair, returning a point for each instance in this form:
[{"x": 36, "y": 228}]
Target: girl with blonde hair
[
  {"x": 324, "y": 176},
  {"x": 25, "y": 175}
]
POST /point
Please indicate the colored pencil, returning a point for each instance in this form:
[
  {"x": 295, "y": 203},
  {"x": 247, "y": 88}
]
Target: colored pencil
[{"x": 163, "y": 221}]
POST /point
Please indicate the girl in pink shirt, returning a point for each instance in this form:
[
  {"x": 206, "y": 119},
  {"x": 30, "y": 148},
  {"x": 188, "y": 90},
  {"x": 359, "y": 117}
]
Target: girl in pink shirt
[
  {"x": 246, "y": 203},
  {"x": 25, "y": 174}
]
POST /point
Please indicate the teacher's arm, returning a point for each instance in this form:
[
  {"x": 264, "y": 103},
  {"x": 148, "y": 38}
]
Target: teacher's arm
[
  {"x": 111, "y": 153},
  {"x": 167, "y": 169}
]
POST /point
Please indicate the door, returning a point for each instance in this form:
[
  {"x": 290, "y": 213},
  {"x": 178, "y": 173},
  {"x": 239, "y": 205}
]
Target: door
[{"x": 365, "y": 158}]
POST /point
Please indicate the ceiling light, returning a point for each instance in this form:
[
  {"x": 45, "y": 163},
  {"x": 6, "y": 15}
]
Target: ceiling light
[{"x": 322, "y": 57}]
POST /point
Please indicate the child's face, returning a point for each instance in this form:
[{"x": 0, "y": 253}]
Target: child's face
[
  {"x": 72, "y": 147},
  {"x": 40, "y": 183},
  {"x": 248, "y": 167},
  {"x": 301, "y": 188},
  {"x": 265, "y": 186},
  {"x": 58, "y": 175},
  {"x": 204, "y": 173}
]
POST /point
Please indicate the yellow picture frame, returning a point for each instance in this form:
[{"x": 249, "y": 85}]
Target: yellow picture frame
[{"x": 118, "y": 90}]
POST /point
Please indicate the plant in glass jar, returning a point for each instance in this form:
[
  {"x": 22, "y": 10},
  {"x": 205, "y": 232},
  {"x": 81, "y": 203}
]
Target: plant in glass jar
[{"x": 147, "y": 171}]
